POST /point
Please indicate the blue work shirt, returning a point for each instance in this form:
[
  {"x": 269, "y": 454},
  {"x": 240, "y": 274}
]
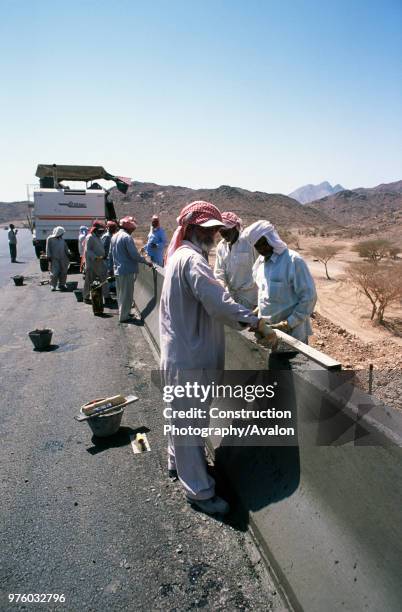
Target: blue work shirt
[
  {"x": 106, "y": 240},
  {"x": 124, "y": 254},
  {"x": 286, "y": 291},
  {"x": 156, "y": 245}
]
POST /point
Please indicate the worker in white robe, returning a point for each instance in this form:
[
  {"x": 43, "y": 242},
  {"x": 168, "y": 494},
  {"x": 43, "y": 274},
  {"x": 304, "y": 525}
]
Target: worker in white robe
[
  {"x": 286, "y": 289},
  {"x": 83, "y": 233},
  {"x": 58, "y": 253},
  {"x": 95, "y": 261},
  {"x": 194, "y": 307},
  {"x": 234, "y": 262}
]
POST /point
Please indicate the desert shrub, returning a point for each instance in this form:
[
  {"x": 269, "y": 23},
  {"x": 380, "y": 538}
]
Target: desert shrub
[
  {"x": 381, "y": 283},
  {"x": 374, "y": 250}
]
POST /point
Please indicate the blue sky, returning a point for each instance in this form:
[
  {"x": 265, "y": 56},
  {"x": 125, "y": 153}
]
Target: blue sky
[{"x": 265, "y": 95}]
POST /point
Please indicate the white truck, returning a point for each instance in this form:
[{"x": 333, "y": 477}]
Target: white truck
[{"x": 56, "y": 204}]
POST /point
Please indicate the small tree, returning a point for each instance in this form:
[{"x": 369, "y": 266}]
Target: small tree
[
  {"x": 324, "y": 254},
  {"x": 373, "y": 250},
  {"x": 380, "y": 283}
]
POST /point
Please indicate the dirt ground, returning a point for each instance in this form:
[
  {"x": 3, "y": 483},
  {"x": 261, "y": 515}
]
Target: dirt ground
[
  {"x": 342, "y": 326},
  {"x": 340, "y": 302}
]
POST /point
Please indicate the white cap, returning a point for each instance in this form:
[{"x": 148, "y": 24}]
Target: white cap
[{"x": 211, "y": 223}]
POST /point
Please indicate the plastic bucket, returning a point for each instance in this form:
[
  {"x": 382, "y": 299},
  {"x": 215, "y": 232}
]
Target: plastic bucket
[
  {"x": 18, "y": 280},
  {"x": 79, "y": 295},
  {"x": 106, "y": 424},
  {"x": 41, "y": 339}
]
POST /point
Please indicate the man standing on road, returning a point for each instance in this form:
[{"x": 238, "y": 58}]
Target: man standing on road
[
  {"x": 156, "y": 241},
  {"x": 125, "y": 258},
  {"x": 111, "y": 229},
  {"x": 286, "y": 289},
  {"x": 234, "y": 262},
  {"x": 95, "y": 262},
  {"x": 81, "y": 239},
  {"x": 193, "y": 310},
  {"x": 12, "y": 242},
  {"x": 57, "y": 253}
]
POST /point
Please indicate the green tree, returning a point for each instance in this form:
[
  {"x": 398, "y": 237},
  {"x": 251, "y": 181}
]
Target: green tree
[{"x": 374, "y": 250}]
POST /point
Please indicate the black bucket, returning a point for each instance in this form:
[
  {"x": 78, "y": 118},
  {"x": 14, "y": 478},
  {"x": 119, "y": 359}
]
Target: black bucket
[
  {"x": 44, "y": 263},
  {"x": 18, "y": 280},
  {"x": 41, "y": 338},
  {"x": 79, "y": 295},
  {"x": 97, "y": 298}
]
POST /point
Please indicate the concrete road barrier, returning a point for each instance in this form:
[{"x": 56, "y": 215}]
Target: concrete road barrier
[{"x": 327, "y": 513}]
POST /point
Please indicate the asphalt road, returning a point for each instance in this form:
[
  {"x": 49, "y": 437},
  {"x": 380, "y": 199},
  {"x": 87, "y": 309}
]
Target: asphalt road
[
  {"x": 25, "y": 255},
  {"x": 92, "y": 520}
]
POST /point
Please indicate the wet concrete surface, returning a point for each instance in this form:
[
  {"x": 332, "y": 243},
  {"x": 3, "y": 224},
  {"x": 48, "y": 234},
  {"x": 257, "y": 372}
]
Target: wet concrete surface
[{"x": 88, "y": 518}]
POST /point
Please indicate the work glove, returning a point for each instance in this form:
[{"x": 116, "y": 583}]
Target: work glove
[
  {"x": 282, "y": 326},
  {"x": 266, "y": 336}
]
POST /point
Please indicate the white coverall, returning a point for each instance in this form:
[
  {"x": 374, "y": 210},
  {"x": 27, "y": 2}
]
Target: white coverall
[
  {"x": 234, "y": 268},
  {"x": 95, "y": 269},
  {"x": 193, "y": 310},
  {"x": 81, "y": 243},
  {"x": 286, "y": 291},
  {"x": 57, "y": 252}
]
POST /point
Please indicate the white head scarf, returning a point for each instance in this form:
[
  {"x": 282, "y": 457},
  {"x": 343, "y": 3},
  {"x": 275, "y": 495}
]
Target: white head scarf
[
  {"x": 58, "y": 231},
  {"x": 257, "y": 230}
]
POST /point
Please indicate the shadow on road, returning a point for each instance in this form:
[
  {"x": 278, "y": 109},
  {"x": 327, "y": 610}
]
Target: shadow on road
[
  {"x": 121, "y": 438},
  {"x": 48, "y": 349},
  {"x": 71, "y": 285},
  {"x": 251, "y": 478}
]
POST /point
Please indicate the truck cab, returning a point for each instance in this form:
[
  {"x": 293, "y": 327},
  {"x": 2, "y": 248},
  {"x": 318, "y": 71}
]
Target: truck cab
[{"x": 57, "y": 204}]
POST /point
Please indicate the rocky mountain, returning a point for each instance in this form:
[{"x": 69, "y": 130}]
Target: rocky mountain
[
  {"x": 372, "y": 210},
  {"x": 13, "y": 211},
  {"x": 310, "y": 193},
  {"x": 144, "y": 199}
]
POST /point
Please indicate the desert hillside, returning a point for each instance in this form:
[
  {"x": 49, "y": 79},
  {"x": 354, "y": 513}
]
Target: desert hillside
[
  {"x": 144, "y": 199},
  {"x": 13, "y": 211},
  {"x": 368, "y": 211}
]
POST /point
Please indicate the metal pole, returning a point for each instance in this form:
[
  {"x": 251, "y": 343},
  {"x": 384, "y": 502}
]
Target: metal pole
[{"x": 54, "y": 176}]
